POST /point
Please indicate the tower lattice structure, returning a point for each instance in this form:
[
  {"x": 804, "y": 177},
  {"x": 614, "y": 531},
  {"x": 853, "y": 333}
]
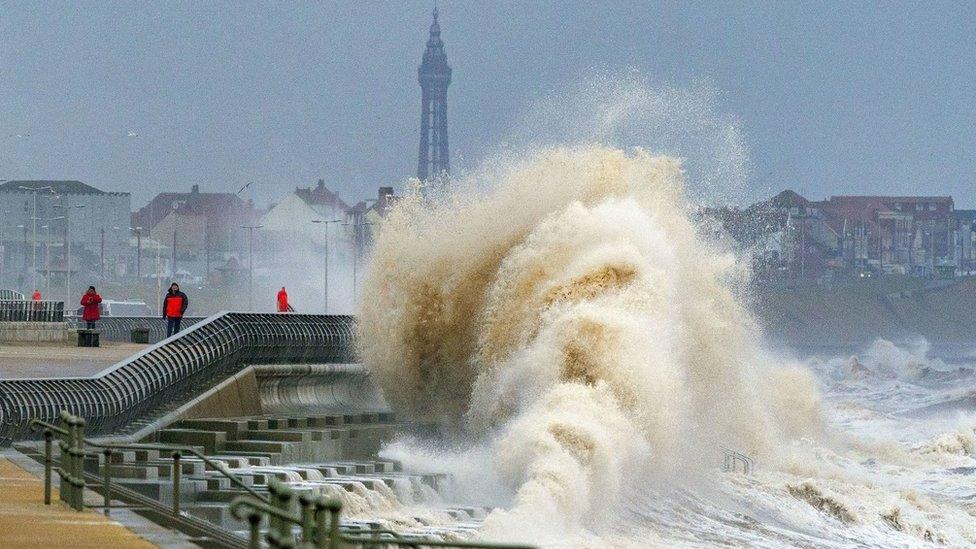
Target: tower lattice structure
[{"x": 434, "y": 76}]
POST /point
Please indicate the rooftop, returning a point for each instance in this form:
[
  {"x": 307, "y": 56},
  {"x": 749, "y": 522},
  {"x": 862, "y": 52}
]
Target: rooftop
[{"x": 57, "y": 186}]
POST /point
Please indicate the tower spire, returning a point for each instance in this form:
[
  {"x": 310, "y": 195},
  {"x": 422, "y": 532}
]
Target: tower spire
[{"x": 434, "y": 76}]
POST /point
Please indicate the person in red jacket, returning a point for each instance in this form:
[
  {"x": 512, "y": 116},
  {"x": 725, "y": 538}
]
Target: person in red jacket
[
  {"x": 174, "y": 305},
  {"x": 91, "y": 308},
  {"x": 38, "y": 306},
  {"x": 282, "y": 300}
]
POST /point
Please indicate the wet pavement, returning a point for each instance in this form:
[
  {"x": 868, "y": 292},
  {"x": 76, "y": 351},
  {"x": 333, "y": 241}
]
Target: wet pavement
[{"x": 35, "y": 360}]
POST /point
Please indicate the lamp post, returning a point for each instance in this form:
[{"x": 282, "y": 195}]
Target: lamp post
[
  {"x": 47, "y": 252},
  {"x": 357, "y": 227},
  {"x": 250, "y": 264},
  {"x": 47, "y": 262},
  {"x": 325, "y": 278},
  {"x": 138, "y": 231},
  {"x": 25, "y": 244},
  {"x": 33, "y": 191},
  {"x": 67, "y": 237},
  {"x": 159, "y": 283}
]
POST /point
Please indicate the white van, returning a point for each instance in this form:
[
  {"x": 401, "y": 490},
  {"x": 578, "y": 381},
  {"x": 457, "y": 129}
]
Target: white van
[{"x": 122, "y": 308}]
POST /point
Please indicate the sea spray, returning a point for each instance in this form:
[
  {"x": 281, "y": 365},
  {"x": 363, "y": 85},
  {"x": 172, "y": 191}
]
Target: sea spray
[{"x": 573, "y": 320}]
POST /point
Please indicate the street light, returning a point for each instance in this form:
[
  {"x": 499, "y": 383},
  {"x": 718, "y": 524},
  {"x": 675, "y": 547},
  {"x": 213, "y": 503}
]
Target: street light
[
  {"x": 47, "y": 252},
  {"x": 33, "y": 191},
  {"x": 138, "y": 231},
  {"x": 25, "y": 245},
  {"x": 67, "y": 236},
  {"x": 325, "y": 282},
  {"x": 355, "y": 255},
  {"x": 250, "y": 261}
]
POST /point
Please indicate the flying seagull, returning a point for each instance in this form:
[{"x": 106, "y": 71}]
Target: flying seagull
[{"x": 244, "y": 187}]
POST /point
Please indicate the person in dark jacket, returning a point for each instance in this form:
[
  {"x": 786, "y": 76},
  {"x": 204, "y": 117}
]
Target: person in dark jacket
[
  {"x": 91, "y": 304},
  {"x": 174, "y": 305}
]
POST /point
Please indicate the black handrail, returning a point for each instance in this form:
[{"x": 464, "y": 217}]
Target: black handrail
[
  {"x": 119, "y": 328},
  {"x": 175, "y": 370},
  {"x": 17, "y": 310}
]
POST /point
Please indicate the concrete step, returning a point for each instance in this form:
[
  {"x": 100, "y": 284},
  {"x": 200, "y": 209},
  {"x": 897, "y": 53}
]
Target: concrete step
[
  {"x": 255, "y": 458},
  {"x": 287, "y": 422},
  {"x": 221, "y": 496},
  {"x": 278, "y": 436},
  {"x": 209, "y": 440},
  {"x": 122, "y": 471},
  {"x": 231, "y": 427},
  {"x": 262, "y": 446},
  {"x": 218, "y": 513}
]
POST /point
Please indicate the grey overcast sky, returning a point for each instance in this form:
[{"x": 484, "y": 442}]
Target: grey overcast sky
[{"x": 829, "y": 98}]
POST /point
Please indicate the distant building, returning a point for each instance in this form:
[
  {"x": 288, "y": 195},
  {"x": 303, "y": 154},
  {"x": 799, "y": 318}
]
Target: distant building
[
  {"x": 367, "y": 214},
  {"x": 96, "y": 221},
  {"x": 206, "y": 227},
  {"x": 434, "y": 76},
  {"x": 296, "y": 213},
  {"x": 965, "y": 241},
  {"x": 852, "y": 235}
]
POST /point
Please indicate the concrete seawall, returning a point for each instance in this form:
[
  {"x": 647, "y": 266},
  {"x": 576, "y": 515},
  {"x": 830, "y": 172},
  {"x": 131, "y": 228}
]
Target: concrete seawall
[
  {"x": 33, "y": 332},
  {"x": 855, "y": 313}
]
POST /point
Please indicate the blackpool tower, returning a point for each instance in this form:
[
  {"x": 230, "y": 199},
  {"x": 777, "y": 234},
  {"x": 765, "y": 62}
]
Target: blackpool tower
[{"x": 434, "y": 76}]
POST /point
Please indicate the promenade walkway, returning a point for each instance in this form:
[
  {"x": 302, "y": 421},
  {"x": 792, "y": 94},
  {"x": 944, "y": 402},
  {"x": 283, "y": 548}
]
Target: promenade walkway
[
  {"x": 34, "y": 360},
  {"x": 26, "y": 522}
]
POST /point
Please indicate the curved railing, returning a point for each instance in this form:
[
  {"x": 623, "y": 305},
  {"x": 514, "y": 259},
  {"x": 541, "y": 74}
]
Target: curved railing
[
  {"x": 175, "y": 370},
  {"x": 119, "y": 328},
  {"x": 11, "y": 295}
]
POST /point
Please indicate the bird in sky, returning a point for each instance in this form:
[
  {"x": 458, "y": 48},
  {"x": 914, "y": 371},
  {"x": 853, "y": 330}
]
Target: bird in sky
[{"x": 244, "y": 187}]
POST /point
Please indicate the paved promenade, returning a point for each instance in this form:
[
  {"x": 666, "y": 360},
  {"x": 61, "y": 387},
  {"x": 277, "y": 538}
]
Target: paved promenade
[
  {"x": 36, "y": 360},
  {"x": 26, "y": 522}
]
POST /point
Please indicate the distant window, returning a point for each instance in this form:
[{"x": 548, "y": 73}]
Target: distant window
[
  {"x": 932, "y": 207},
  {"x": 919, "y": 207},
  {"x": 898, "y": 206},
  {"x": 795, "y": 211}
]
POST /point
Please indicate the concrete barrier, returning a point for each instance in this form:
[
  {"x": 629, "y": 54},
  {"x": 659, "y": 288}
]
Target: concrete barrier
[{"x": 33, "y": 332}]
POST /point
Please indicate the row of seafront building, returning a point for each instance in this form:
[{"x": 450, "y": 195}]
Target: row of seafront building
[
  {"x": 53, "y": 231},
  {"x": 793, "y": 237}
]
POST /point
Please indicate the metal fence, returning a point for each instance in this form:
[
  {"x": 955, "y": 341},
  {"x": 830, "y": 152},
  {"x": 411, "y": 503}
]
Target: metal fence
[
  {"x": 167, "y": 374},
  {"x": 119, "y": 328},
  {"x": 10, "y": 295},
  {"x": 31, "y": 311}
]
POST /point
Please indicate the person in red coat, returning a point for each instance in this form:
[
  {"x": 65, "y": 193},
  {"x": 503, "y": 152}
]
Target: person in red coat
[
  {"x": 282, "y": 300},
  {"x": 91, "y": 308},
  {"x": 36, "y": 296}
]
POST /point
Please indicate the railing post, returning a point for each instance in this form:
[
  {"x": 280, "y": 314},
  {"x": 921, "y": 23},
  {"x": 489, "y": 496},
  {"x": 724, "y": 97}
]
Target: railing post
[
  {"x": 254, "y": 520},
  {"x": 80, "y": 463},
  {"x": 307, "y": 506},
  {"x": 64, "y": 470},
  {"x": 107, "y": 487},
  {"x": 282, "y": 501},
  {"x": 177, "y": 473},
  {"x": 273, "y": 487},
  {"x": 334, "y": 507},
  {"x": 321, "y": 532},
  {"x": 47, "y": 465}
]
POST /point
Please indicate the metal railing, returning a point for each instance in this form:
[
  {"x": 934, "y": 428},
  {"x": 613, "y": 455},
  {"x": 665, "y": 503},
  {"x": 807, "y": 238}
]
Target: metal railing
[
  {"x": 11, "y": 295},
  {"x": 734, "y": 459},
  {"x": 17, "y": 310},
  {"x": 175, "y": 370},
  {"x": 319, "y": 522},
  {"x": 119, "y": 328},
  {"x": 72, "y": 445},
  {"x": 318, "y": 518}
]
